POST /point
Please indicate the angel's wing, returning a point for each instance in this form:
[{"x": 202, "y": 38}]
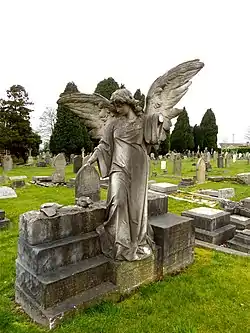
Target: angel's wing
[
  {"x": 168, "y": 89},
  {"x": 93, "y": 110}
]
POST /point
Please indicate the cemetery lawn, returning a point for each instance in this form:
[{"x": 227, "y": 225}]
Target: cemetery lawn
[{"x": 212, "y": 295}]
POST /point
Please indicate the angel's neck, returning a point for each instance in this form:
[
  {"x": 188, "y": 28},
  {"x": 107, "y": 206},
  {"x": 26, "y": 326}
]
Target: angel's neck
[{"x": 131, "y": 115}]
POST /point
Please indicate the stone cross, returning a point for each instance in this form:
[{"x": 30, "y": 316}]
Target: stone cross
[
  {"x": 59, "y": 164},
  {"x": 87, "y": 183},
  {"x": 201, "y": 170}
]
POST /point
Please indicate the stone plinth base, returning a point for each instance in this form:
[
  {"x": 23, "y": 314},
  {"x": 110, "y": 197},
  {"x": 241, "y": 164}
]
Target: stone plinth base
[
  {"x": 211, "y": 225},
  {"x": 175, "y": 236},
  {"x": 241, "y": 241},
  {"x": 3, "y": 221},
  {"x": 241, "y": 222}
]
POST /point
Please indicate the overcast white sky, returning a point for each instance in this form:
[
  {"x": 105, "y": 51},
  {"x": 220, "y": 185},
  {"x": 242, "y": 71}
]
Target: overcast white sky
[{"x": 45, "y": 44}]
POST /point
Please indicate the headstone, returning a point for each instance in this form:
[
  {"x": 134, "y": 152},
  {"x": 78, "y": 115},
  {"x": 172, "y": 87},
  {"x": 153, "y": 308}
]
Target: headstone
[
  {"x": 234, "y": 158},
  {"x": 201, "y": 171},
  {"x": 47, "y": 158},
  {"x": 77, "y": 163},
  {"x": 7, "y": 163},
  {"x": 220, "y": 161},
  {"x": 60, "y": 164},
  {"x": 87, "y": 183},
  {"x": 163, "y": 165},
  {"x": 4, "y": 222},
  {"x": 7, "y": 192},
  {"x": 177, "y": 165},
  {"x": 71, "y": 159}
]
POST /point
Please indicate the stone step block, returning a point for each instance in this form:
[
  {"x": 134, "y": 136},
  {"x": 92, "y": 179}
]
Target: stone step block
[
  {"x": 208, "y": 219},
  {"x": 242, "y": 236},
  {"x": 166, "y": 188},
  {"x": 175, "y": 236},
  {"x": 157, "y": 203},
  {"x": 52, "y": 317},
  {"x": 241, "y": 222},
  {"x": 218, "y": 236},
  {"x": 4, "y": 223},
  {"x": 55, "y": 287},
  {"x": 47, "y": 257},
  {"x": 238, "y": 246},
  {"x": 37, "y": 228}
]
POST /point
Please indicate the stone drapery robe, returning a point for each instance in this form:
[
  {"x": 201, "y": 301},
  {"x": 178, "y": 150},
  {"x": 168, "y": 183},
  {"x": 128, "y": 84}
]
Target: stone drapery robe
[{"x": 122, "y": 155}]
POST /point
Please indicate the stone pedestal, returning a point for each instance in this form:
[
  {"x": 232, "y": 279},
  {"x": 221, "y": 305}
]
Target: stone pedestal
[
  {"x": 4, "y": 222},
  {"x": 241, "y": 241},
  {"x": 166, "y": 188},
  {"x": 211, "y": 225},
  {"x": 240, "y": 222},
  {"x": 175, "y": 236}
]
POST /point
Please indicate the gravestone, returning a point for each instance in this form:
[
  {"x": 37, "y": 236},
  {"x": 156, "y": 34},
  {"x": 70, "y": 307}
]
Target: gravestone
[
  {"x": 77, "y": 163},
  {"x": 7, "y": 163},
  {"x": 87, "y": 183},
  {"x": 220, "y": 161},
  {"x": 7, "y": 192},
  {"x": 163, "y": 165},
  {"x": 201, "y": 171},
  {"x": 4, "y": 222},
  {"x": 177, "y": 165},
  {"x": 47, "y": 158},
  {"x": 60, "y": 164},
  {"x": 215, "y": 155},
  {"x": 71, "y": 158},
  {"x": 234, "y": 158}
]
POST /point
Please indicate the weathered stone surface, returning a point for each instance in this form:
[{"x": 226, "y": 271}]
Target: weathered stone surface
[
  {"x": 128, "y": 275},
  {"x": 201, "y": 171},
  {"x": 224, "y": 193},
  {"x": 246, "y": 202},
  {"x": 3, "y": 221},
  {"x": 60, "y": 164},
  {"x": 41, "y": 179},
  {"x": 54, "y": 287},
  {"x": 17, "y": 178},
  {"x": 7, "y": 163},
  {"x": 37, "y": 228},
  {"x": 2, "y": 214},
  {"x": 163, "y": 187},
  {"x": 157, "y": 203},
  {"x": 53, "y": 316},
  {"x": 185, "y": 182},
  {"x": 175, "y": 236},
  {"x": 87, "y": 183},
  {"x": 7, "y": 192},
  {"x": 241, "y": 222},
  {"x": 244, "y": 178},
  {"x": 208, "y": 219},
  {"x": 49, "y": 257},
  {"x": 77, "y": 163},
  {"x": 71, "y": 183},
  {"x": 17, "y": 183},
  {"x": 241, "y": 241},
  {"x": 104, "y": 182},
  {"x": 218, "y": 236}
]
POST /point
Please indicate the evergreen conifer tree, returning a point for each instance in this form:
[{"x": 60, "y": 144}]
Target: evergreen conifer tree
[
  {"x": 182, "y": 136},
  {"x": 106, "y": 87},
  {"x": 209, "y": 130}
]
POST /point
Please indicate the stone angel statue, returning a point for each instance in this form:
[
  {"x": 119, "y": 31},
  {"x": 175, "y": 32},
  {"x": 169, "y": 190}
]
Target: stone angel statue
[{"x": 126, "y": 134}]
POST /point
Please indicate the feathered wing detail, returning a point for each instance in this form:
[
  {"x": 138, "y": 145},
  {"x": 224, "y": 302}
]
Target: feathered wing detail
[
  {"x": 167, "y": 90},
  {"x": 93, "y": 110}
]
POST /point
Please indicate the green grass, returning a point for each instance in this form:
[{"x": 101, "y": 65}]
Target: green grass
[{"x": 212, "y": 295}]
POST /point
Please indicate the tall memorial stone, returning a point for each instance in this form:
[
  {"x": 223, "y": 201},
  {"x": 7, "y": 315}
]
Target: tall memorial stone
[
  {"x": 87, "y": 183},
  {"x": 59, "y": 164},
  {"x": 201, "y": 170},
  {"x": 7, "y": 163},
  {"x": 177, "y": 165},
  {"x": 77, "y": 163},
  {"x": 30, "y": 158},
  {"x": 220, "y": 161}
]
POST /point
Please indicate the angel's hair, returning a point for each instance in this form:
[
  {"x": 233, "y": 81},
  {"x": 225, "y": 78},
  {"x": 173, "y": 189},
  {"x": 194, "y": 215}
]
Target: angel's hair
[{"x": 124, "y": 96}]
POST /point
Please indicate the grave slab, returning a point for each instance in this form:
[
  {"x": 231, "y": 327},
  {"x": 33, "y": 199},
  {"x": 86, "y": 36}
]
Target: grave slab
[
  {"x": 7, "y": 192},
  {"x": 163, "y": 187},
  {"x": 241, "y": 241},
  {"x": 241, "y": 222},
  {"x": 218, "y": 236}
]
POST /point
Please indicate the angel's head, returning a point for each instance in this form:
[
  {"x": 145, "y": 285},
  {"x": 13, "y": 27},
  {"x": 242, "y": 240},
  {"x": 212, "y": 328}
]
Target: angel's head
[{"x": 123, "y": 101}]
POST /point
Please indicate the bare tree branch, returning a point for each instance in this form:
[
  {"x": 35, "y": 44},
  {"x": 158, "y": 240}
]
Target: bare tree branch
[{"x": 47, "y": 123}]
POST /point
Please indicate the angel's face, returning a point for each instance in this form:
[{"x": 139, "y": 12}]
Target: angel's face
[{"x": 122, "y": 109}]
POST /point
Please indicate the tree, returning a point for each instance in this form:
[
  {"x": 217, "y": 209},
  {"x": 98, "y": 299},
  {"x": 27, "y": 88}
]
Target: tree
[
  {"x": 106, "y": 87},
  {"x": 47, "y": 123},
  {"x": 17, "y": 135},
  {"x": 182, "y": 136},
  {"x": 197, "y": 136},
  {"x": 209, "y": 130},
  {"x": 140, "y": 97},
  {"x": 69, "y": 134}
]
